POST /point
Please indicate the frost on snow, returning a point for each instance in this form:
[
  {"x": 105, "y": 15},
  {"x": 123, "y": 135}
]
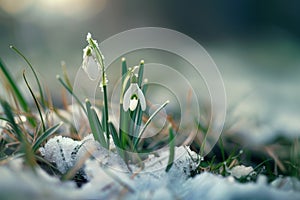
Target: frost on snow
[{"x": 65, "y": 152}]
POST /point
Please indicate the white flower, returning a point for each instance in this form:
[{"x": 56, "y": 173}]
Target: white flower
[
  {"x": 89, "y": 63},
  {"x": 132, "y": 96}
]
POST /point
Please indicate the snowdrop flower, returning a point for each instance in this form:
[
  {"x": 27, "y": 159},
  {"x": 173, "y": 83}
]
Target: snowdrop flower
[
  {"x": 92, "y": 58},
  {"x": 90, "y": 64},
  {"x": 134, "y": 95}
]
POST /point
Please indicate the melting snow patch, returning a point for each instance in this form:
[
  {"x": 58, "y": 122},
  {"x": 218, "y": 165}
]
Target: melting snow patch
[{"x": 240, "y": 171}]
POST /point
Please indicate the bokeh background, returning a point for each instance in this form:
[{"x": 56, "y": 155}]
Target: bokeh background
[{"x": 255, "y": 44}]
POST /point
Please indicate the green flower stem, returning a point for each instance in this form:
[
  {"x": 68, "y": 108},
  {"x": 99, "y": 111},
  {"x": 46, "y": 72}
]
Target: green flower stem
[
  {"x": 35, "y": 101},
  {"x": 106, "y": 115},
  {"x": 123, "y": 124},
  {"x": 123, "y": 130},
  {"x": 99, "y": 58}
]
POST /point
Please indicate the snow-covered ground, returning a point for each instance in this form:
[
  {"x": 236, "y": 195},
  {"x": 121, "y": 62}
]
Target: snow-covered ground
[{"x": 109, "y": 178}]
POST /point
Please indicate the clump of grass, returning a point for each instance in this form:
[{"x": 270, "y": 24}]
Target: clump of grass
[{"x": 23, "y": 131}]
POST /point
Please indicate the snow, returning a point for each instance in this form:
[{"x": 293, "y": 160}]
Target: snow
[
  {"x": 109, "y": 178},
  {"x": 209, "y": 186},
  {"x": 240, "y": 171},
  {"x": 106, "y": 183},
  {"x": 58, "y": 150}
]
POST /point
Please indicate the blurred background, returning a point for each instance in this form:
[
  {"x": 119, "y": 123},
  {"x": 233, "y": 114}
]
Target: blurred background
[{"x": 255, "y": 44}]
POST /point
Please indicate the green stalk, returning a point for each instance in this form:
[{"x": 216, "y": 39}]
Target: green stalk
[
  {"x": 34, "y": 73},
  {"x": 65, "y": 75},
  {"x": 122, "y": 123},
  {"x": 17, "y": 92},
  {"x": 132, "y": 122},
  {"x": 14, "y": 87},
  {"x": 106, "y": 115},
  {"x": 24, "y": 144},
  {"x": 95, "y": 125},
  {"x": 35, "y": 100},
  {"x": 8, "y": 111},
  {"x": 45, "y": 135},
  {"x": 99, "y": 57}
]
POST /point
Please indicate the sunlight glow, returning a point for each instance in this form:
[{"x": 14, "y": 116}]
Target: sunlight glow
[{"x": 77, "y": 9}]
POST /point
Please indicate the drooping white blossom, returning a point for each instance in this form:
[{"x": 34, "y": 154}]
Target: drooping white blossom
[{"x": 132, "y": 96}]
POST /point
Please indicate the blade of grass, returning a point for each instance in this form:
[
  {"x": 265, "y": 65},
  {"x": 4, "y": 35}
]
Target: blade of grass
[
  {"x": 172, "y": 149},
  {"x": 14, "y": 87},
  {"x": 141, "y": 73},
  {"x": 124, "y": 128},
  {"x": 95, "y": 125},
  {"x": 116, "y": 140},
  {"x": 34, "y": 73},
  {"x": 10, "y": 117},
  {"x": 35, "y": 101},
  {"x": 44, "y": 136},
  {"x": 4, "y": 119},
  {"x": 66, "y": 76},
  {"x": 114, "y": 134},
  {"x": 25, "y": 147},
  {"x": 148, "y": 122},
  {"x": 124, "y": 116}
]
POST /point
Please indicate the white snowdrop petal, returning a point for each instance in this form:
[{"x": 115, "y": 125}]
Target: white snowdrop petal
[
  {"x": 126, "y": 100},
  {"x": 130, "y": 103},
  {"x": 85, "y": 50},
  {"x": 91, "y": 68}
]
